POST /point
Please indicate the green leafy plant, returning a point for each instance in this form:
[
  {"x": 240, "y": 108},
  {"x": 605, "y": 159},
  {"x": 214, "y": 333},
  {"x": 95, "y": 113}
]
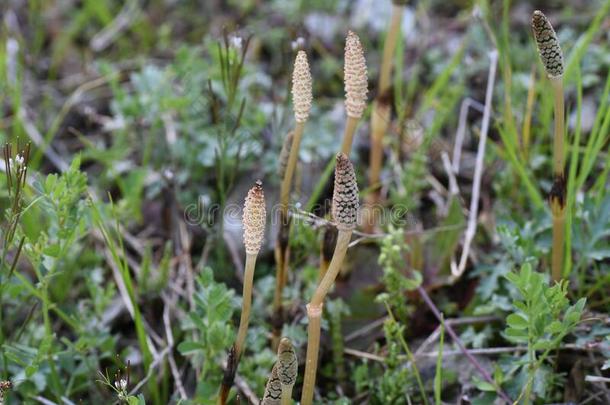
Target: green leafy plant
[
  {"x": 208, "y": 333},
  {"x": 543, "y": 317}
]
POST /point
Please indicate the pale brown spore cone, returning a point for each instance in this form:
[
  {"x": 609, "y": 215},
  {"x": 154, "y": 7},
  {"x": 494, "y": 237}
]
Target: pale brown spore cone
[
  {"x": 288, "y": 363},
  {"x": 345, "y": 195},
  {"x": 254, "y": 218},
  {"x": 273, "y": 389},
  {"x": 548, "y": 44},
  {"x": 355, "y": 76},
  {"x": 301, "y": 88}
]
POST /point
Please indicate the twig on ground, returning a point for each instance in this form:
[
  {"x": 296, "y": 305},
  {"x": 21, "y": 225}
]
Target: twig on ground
[
  {"x": 170, "y": 357},
  {"x": 453, "y": 322},
  {"x": 478, "y": 172},
  {"x": 467, "y": 103}
]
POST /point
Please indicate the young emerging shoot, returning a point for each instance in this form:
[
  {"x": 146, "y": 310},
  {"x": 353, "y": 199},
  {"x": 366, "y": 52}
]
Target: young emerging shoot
[
  {"x": 345, "y": 214},
  {"x": 356, "y": 87},
  {"x": 273, "y": 389},
  {"x": 287, "y": 369},
  {"x": 301, "y": 100},
  {"x": 254, "y": 218},
  {"x": 552, "y": 59}
]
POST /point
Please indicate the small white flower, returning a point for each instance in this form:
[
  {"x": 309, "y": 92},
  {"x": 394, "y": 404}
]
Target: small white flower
[
  {"x": 19, "y": 159},
  {"x": 236, "y": 42},
  {"x": 121, "y": 384}
]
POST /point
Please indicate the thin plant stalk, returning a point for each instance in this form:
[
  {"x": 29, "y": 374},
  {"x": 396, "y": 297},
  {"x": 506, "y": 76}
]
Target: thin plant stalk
[
  {"x": 242, "y": 331},
  {"x": 348, "y": 134},
  {"x": 558, "y": 146},
  {"x": 527, "y": 120},
  {"x": 314, "y": 315},
  {"x": 558, "y": 192},
  {"x": 389, "y": 46},
  {"x": 286, "y": 395},
  {"x": 282, "y": 251},
  {"x": 290, "y": 168},
  {"x": 380, "y": 117},
  {"x": 247, "y": 304}
]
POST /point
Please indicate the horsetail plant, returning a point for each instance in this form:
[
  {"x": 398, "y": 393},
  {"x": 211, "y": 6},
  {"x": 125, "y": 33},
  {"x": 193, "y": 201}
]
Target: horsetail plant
[
  {"x": 301, "y": 100},
  {"x": 254, "y": 218},
  {"x": 380, "y": 116},
  {"x": 287, "y": 369},
  {"x": 356, "y": 87},
  {"x": 345, "y": 213},
  {"x": 552, "y": 60},
  {"x": 356, "y": 90}
]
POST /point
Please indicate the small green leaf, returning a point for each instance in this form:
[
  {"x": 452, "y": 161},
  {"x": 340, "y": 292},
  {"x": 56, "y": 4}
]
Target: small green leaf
[
  {"x": 542, "y": 345},
  {"x": 517, "y": 321},
  {"x": 189, "y": 347},
  {"x": 554, "y": 327}
]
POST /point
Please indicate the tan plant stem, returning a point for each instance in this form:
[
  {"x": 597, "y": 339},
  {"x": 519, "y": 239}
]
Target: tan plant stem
[
  {"x": 282, "y": 251},
  {"x": 380, "y": 117},
  {"x": 286, "y": 394},
  {"x": 389, "y": 47},
  {"x": 558, "y": 147},
  {"x": 246, "y": 305},
  {"x": 558, "y": 192},
  {"x": 239, "y": 344},
  {"x": 348, "y": 134},
  {"x": 292, "y": 162},
  {"x": 314, "y": 315},
  {"x": 527, "y": 120}
]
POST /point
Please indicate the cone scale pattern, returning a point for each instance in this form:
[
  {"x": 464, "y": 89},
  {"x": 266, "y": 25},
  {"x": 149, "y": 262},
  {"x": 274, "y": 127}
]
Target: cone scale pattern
[
  {"x": 273, "y": 389},
  {"x": 288, "y": 365},
  {"x": 354, "y": 76},
  {"x": 254, "y": 219},
  {"x": 345, "y": 195},
  {"x": 301, "y": 87},
  {"x": 548, "y": 44}
]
